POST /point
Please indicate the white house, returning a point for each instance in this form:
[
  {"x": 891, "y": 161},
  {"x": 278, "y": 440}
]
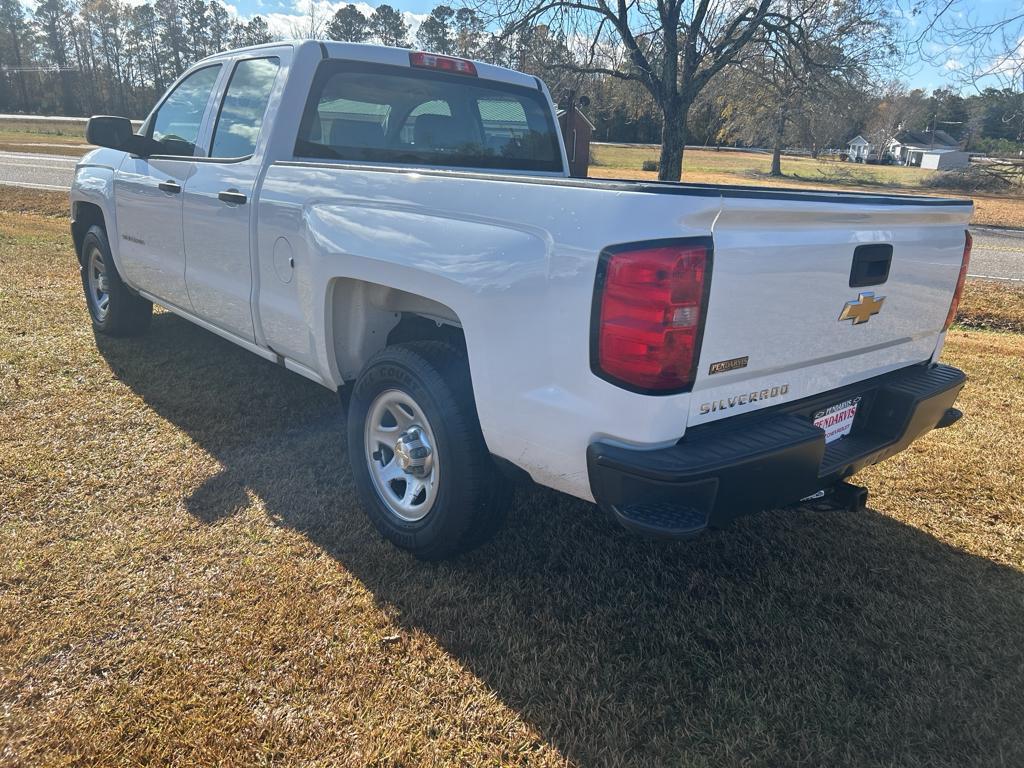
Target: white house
[
  {"x": 910, "y": 147},
  {"x": 859, "y": 148},
  {"x": 927, "y": 149}
]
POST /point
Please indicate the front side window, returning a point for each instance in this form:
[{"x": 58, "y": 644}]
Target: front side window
[
  {"x": 408, "y": 116},
  {"x": 241, "y": 114},
  {"x": 178, "y": 120}
]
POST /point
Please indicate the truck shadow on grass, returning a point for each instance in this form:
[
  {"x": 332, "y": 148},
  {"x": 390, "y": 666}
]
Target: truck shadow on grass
[{"x": 827, "y": 638}]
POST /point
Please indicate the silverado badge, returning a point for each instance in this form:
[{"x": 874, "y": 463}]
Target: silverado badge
[{"x": 861, "y": 310}]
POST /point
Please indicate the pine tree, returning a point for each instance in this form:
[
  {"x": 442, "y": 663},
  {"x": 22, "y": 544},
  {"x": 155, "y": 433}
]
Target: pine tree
[
  {"x": 219, "y": 35},
  {"x": 17, "y": 34},
  {"x": 257, "y": 32},
  {"x": 52, "y": 17},
  {"x": 348, "y": 25},
  {"x": 436, "y": 33},
  {"x": 197, "y": 22},
  {"x": 388, "y": 27},
  {"x": 469, "y": 32},
  {"x": 172, "y": 36}
]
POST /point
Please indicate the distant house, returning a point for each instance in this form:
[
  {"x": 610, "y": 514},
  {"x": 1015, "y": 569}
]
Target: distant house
[
  {"x": 859, "y": 148},
  {"x": 910, "y": 148},
  {"x": 925, "y": 149}
]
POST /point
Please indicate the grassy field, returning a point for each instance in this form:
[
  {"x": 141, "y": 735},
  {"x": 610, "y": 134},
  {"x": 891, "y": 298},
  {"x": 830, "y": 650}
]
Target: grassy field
[
  {"x": 754, "y": 164},
  {"x": 727, "y": 167},
  {"x": 186, "y": 579},
  {"x": 50, "y": 137}
]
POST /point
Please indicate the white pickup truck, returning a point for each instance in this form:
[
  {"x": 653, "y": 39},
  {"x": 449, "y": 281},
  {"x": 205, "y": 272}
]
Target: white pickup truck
[{"x": 401, "y": 227}]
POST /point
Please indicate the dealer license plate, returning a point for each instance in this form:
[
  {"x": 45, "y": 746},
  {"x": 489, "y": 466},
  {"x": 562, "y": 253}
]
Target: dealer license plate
[{"x": 837, "y": 420}]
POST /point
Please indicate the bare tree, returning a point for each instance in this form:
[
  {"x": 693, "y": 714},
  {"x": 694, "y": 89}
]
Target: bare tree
[
  {"x": 897, "y": 110},
  {"x": 673, "y": 48},
  {"x": 312, "y": 25},
  {"x": 977, "y": 43},
  {"x": 981, "y": 47},
  {"x": 843, "y": 42}
]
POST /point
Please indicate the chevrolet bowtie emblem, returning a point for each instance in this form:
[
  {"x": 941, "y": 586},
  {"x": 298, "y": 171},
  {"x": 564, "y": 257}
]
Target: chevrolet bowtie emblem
[{"x": 861, "y": 310}]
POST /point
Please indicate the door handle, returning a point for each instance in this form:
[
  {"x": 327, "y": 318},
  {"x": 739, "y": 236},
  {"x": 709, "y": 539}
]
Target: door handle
[
  {"x": 170, "y": 186},
  {"x": 232, "y": 196}
]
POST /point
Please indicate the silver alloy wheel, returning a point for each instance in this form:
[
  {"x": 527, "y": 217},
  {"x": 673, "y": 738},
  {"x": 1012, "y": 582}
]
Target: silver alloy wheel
[
  {"x": 99, "y": 286},
  {"x": 399, "y": 445}
]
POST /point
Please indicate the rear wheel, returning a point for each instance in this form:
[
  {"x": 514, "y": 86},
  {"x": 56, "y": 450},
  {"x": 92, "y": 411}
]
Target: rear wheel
[
  {"x": 400, "y": 452},
  {"x": 114, "y": 309},
  {"x": 418, "y": 457}
]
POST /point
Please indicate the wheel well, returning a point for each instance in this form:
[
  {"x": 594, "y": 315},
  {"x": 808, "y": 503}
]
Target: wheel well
[
  {"x": 366, "y": 317},
  {"x": 413, "y": 327},
  {"x": 84, "y": 215}
]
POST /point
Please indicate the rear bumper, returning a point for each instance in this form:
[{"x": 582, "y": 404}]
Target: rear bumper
[{"x": 720, "y": 471}]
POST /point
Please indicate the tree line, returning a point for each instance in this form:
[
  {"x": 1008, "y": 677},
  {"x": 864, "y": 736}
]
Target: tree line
[
  {"x": 803, "y": 73},
  {"x": 107, "y": 56}
]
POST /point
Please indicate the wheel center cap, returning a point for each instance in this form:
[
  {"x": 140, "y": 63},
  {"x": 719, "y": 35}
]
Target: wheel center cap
[{"x": 412, "y": 453}]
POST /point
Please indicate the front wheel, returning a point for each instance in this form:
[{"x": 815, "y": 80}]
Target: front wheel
[
  {"x": 114, "y": 309},
  {"x": 418, "y": 457}
]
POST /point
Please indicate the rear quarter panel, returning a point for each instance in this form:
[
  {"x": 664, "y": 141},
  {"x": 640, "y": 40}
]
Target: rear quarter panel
[{"x": 515, "y": 261}]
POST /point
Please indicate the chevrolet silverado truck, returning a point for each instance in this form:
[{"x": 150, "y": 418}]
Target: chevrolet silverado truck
[{"x": 401, "y": 227}]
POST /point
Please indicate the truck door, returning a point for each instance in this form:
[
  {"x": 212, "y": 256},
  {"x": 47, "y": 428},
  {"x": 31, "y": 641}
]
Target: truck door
[
  {"x": 218, "y": 201},
  {"x": 147, "y": 192}
]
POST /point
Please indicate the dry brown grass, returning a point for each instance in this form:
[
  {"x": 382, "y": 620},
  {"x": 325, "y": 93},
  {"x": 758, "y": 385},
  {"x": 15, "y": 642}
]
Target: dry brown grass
[
  {"x": 75, "y": 150},
  {"x": 993, "y": 306},
  {"x": 38, "y": 202},
  {"x": 187, "y": 579}
]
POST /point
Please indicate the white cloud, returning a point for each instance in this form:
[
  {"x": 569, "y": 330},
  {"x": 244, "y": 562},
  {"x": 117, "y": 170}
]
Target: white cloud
[
  {"x": 1010, "y": 64},
  {"x": 953, "y": 64},
  {"x": 296, "y": 21}
]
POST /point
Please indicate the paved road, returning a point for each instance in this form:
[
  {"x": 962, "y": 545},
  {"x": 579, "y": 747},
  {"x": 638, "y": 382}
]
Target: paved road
[
  {"x": 36, "y": 171},
  {"x": 998, "y": 253}
]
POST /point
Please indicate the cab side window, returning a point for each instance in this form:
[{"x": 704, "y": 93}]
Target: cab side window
[
  {"x": 177, "y": 121},
  {"x": 241, "y": 115}
]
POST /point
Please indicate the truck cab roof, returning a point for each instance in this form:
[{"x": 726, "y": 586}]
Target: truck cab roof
[{"x": 381, "y": 54}]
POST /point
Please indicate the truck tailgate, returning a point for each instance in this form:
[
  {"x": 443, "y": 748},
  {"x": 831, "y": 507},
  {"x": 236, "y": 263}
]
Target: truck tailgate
[{"x": 783, "y": 273}]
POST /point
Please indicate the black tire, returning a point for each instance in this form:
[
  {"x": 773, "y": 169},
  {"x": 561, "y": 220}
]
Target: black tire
[
  {"x": 472, "y": 497},
  {"x": 124, "y": 313}
]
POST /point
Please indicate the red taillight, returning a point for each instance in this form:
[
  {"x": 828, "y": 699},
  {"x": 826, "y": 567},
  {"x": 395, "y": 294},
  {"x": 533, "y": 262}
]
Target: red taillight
[
  {"x": 443, "y": 63},
  {"x": 649, "y": 314},
  {"x": 955, "y": 304}
]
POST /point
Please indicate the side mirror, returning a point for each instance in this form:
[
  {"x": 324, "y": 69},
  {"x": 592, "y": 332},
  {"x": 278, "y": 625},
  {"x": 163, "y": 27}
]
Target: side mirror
[{"x": 117, "y": 133}]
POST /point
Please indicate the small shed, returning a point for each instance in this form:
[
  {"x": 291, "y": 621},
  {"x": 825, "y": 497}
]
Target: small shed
[
  {"x": 576, "y": 132},
  {"x": 944, "y": 159}
]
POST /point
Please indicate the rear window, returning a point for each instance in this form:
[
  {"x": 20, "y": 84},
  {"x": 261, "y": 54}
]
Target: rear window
[{"x": 390, "y": 114}]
